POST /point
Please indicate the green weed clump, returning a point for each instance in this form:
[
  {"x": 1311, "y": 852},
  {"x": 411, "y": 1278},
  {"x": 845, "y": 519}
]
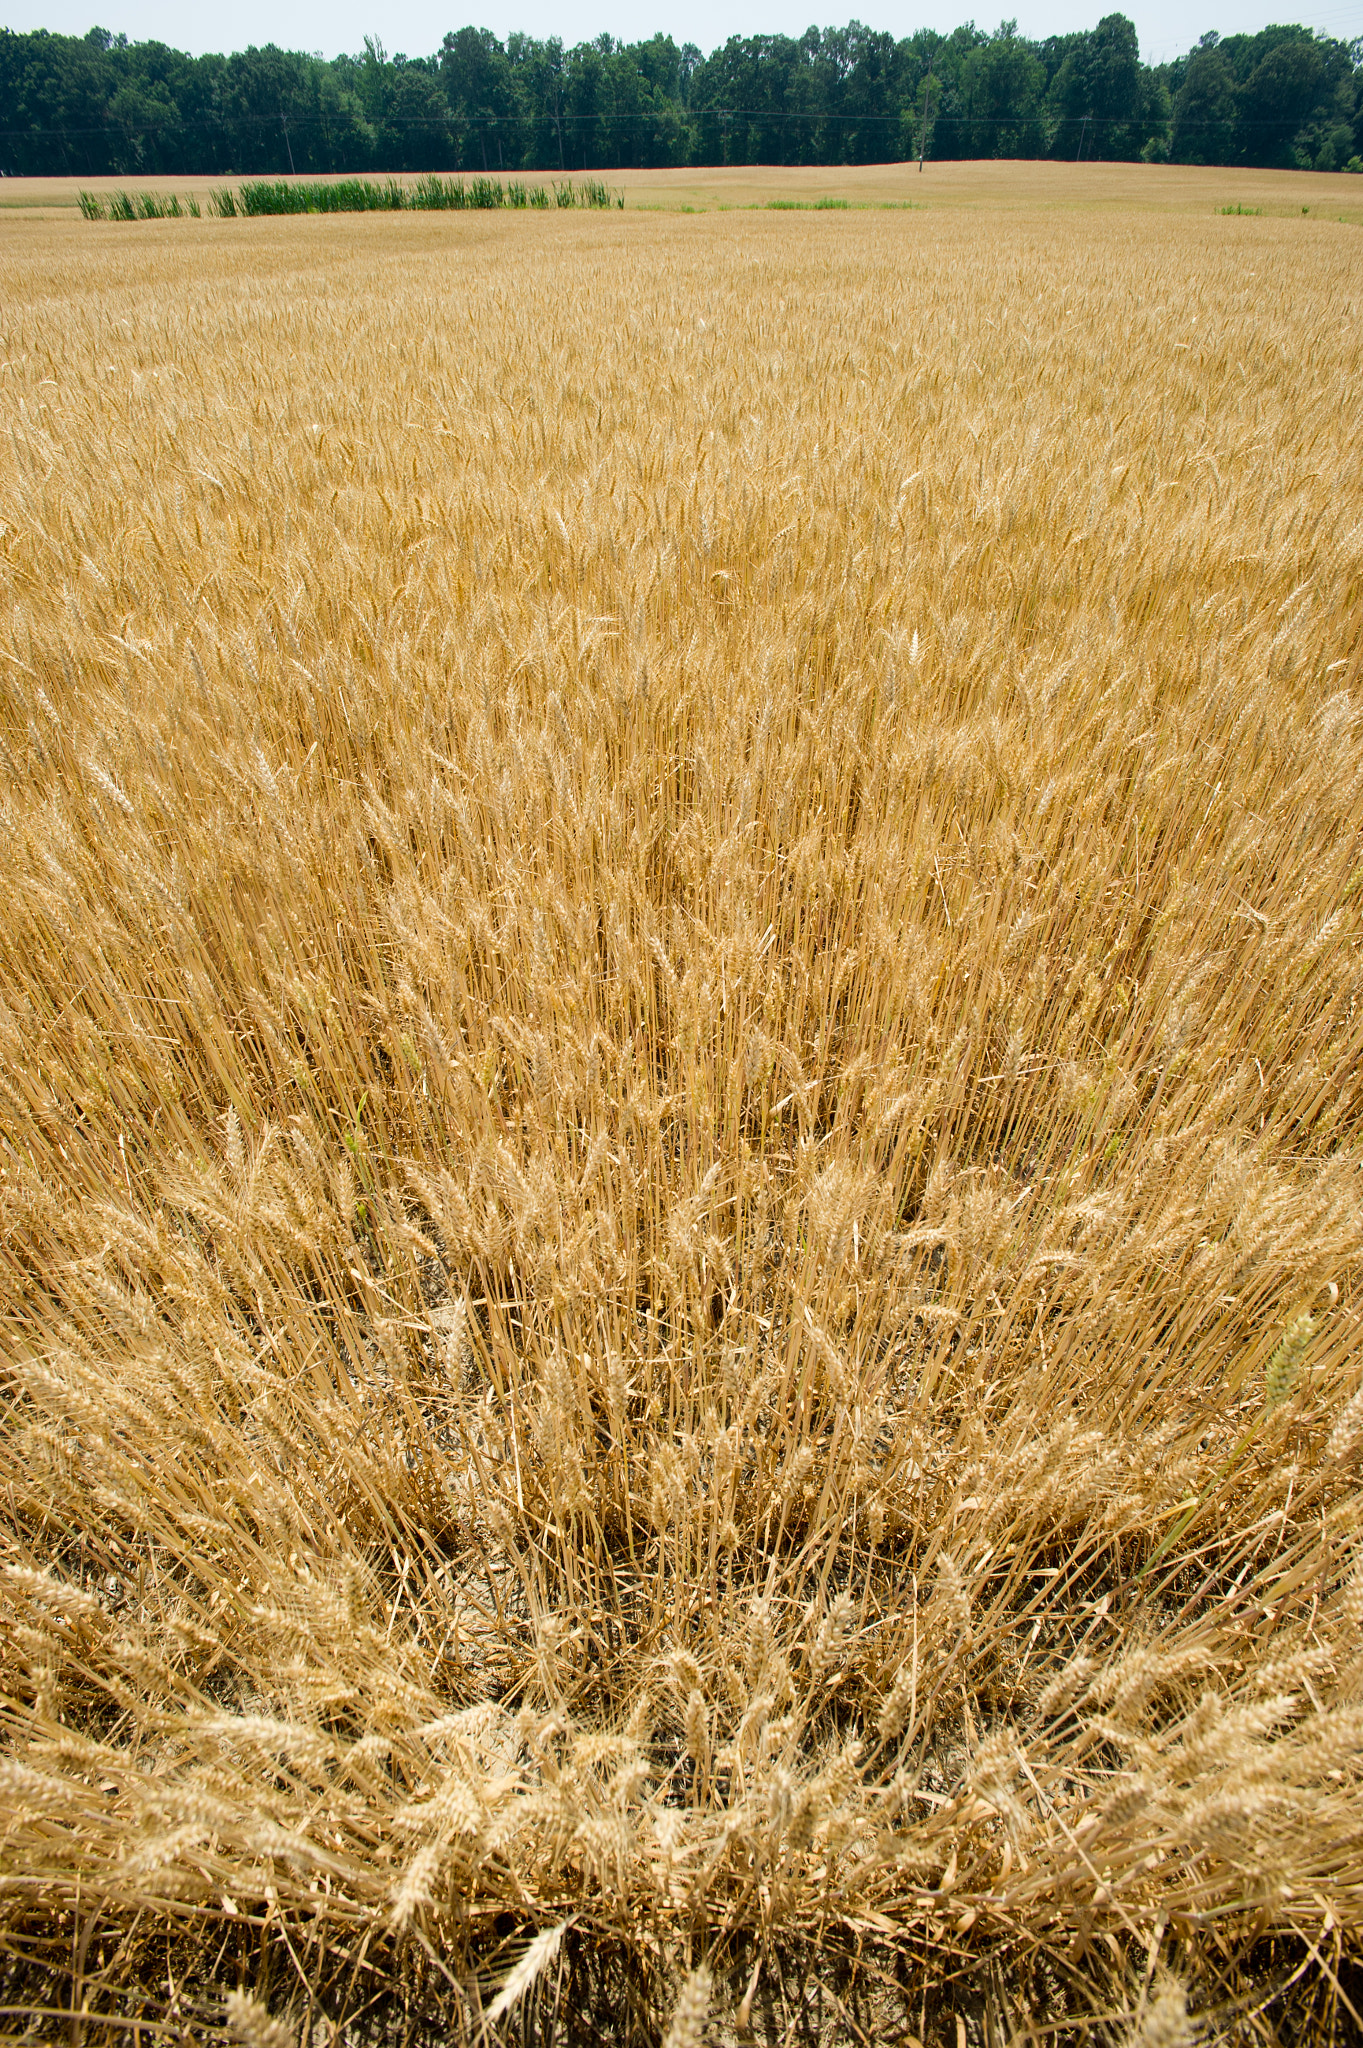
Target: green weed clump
[
  {"x": 595, "y": 192},
  {"x": 823, "y": 205},
  {"x": 430, "y": 193},
  {"x": 435, "y": 194},
  {"x": 345, "y": 195},
  {"x": 136, "y": 206}
]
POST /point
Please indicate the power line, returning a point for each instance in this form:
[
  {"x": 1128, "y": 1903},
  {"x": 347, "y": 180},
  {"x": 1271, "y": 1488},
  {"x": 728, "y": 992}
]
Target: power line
[{"x": 222, "y": 124}]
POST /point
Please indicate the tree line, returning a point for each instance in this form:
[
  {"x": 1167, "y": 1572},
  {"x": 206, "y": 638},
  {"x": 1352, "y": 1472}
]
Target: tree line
[{"x": 101, "y": 105}]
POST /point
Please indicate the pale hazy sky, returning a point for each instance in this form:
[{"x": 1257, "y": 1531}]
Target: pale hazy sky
[{"x": 1166, "y": 27}]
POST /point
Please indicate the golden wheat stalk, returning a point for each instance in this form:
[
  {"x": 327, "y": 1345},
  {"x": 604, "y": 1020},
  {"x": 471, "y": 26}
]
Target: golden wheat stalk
[{"x": 678, "y": 1027}]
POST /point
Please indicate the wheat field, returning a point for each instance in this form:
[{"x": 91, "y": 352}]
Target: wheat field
[
  {"x": 995, "y": 187},
  {"x": 681, "y": 1095}
]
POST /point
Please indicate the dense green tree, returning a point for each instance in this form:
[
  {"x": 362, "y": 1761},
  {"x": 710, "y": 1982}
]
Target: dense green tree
[
  {"x": 267, "y": 115},
  {"x": 99, "y": 105},
  {"x": 1278, "y": 98},
  {"x": 477, "y": 77},
  {"x": 647, "y": 124},
  {"x": 755, "y": 101},
  {"x": 415, "y": 131},
  {"x": 949, "y": 96},
  {"x": 1096, "y": 96},
  {"x": 54, "y": 104},
  {"x": 1004, "y": 86},
  {"x": 538, "y": 74},
  {"x": 860, "y": 73},
  {"x": 1282, "y": 97},
  {"x": 1204, "y": 130},
  {"x": 1157, "y": 118},
  {"x": 1296, "y": 105}
]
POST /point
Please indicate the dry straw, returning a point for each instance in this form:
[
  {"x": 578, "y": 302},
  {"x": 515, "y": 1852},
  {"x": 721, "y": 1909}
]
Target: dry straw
[{"x": 681, "y": 1084}]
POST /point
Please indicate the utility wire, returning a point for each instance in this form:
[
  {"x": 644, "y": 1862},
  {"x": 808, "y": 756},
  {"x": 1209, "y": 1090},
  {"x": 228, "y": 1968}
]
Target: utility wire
[{"x": 222, "y": 124}]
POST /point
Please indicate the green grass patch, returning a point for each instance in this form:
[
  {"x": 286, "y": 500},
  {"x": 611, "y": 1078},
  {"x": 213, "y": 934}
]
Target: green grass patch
[
  {"x": 136, "y": 206},
  {"x": 429, "y": 194},
  {"x": 824, "y": 205}
]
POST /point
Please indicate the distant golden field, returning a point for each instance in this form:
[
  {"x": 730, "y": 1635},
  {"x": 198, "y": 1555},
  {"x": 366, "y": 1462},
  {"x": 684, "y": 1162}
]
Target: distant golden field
[
  {"x": 681, "y": 1123},
  {"x": 977, "y": 186}
]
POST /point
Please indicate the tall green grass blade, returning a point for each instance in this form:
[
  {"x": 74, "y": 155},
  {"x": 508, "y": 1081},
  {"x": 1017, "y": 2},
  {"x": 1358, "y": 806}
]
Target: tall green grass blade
[{"x": 256, "y": 197}]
